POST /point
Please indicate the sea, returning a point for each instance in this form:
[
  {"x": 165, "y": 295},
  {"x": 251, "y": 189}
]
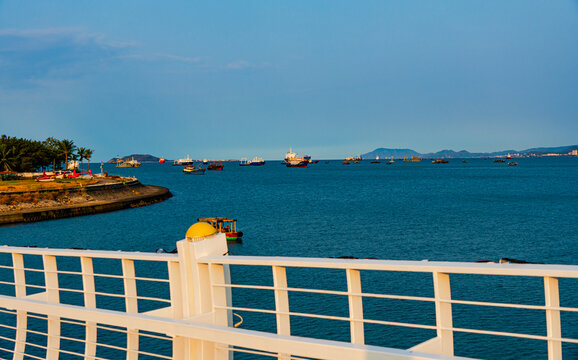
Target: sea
[{"x": 460, "y": 211}]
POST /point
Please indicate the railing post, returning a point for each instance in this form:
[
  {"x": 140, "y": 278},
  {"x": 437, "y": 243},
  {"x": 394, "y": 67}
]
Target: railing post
[
  {"x": 52, "y": 296},
  {"x": 21, "y": 317},
  {"x": 444, "y": 322},
  {"x": 89, "y": 302},
  {"x": 131, "y": 302},
  {"x": 197, "y": 294},
  {"x": 554, "y": 331},
  {"x": 176, "y": 292},
  {"x": 355, "y": 306},
  {"x": 219, "y": 275},
  {"x": 281, "y": 303}
]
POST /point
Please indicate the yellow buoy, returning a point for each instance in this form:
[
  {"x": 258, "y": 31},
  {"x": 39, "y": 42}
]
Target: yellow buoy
[{"x": 200, "y": 230}]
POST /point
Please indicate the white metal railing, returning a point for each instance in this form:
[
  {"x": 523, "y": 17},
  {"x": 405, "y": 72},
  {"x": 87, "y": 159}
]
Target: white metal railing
[{"x": 185, "y": 310}]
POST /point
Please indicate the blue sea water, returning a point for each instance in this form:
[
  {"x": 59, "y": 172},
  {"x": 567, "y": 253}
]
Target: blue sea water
[{"x": 411, "y": 211}]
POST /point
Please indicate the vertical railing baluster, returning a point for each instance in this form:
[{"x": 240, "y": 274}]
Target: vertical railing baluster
[
  {"x": 554, "y": 330},
  {"x": 21, "y": 317},
  {"x": 219, "y": 275},
  {"x": 131, "y": 303},
  {"x": 52, "y": 296},
  {"x": 355, "y": 306},
  {"x": 89, "y": 302},
  {"x": 176, "y": 293},
  {"x": 281, "y": 303},
  {"x": 444, "y": 322},
  {"x": 223, "y": 317}
]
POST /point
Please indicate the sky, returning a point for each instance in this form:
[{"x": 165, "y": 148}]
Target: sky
[{"x": 233, "y": 79}]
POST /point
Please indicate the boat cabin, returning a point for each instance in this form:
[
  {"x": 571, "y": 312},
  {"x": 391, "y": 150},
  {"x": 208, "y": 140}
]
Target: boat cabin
[{"x": 222, "y": 224}]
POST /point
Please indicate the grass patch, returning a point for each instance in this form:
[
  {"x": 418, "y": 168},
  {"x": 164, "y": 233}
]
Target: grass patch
[{"x": 32, "y": 185}]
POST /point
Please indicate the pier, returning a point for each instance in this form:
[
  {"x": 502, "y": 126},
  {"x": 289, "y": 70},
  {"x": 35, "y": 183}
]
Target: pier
[{"x": 66, "y": 303}]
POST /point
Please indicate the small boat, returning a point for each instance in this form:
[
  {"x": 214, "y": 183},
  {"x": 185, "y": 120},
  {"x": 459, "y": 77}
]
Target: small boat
[
  {"x": 390, "y": 161},
  {"x": 412, "y": 159},
  {"x": 440, "y": 161},
  {"x": 224, "y": 225},
  {"x": 162, "y": 160},
  {"x": 464, "y": 161},
  {"x": 508, "y": 156},
  {"x": 499, "y": 161},
  {"x": 215, "y": 166},
  {"x": 512, "y": 164},
  {"x": 376, "y": 161},
  {"x": 194, "y": 170},
  {"x": 183, "y": 162},
  {"x": 346, "y": 162}
]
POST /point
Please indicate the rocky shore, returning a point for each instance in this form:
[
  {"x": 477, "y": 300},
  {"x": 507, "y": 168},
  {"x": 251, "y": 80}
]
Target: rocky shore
[{"x": 103, "y": 196}]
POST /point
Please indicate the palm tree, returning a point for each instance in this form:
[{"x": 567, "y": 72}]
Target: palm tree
[
  {"x": 66, "y": 147},
  {"x": 88, "y": 155},
  {"x": 81, "y": 152},
  {"x": 8, "y": 158}
]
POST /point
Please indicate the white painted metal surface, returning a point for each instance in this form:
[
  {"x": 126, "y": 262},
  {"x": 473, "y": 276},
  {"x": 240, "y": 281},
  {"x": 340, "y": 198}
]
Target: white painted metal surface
[{"x": 190, "y": 309}]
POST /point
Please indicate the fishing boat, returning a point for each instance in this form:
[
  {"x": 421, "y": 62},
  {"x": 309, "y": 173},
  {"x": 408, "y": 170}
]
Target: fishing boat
[
  {"x": 127, "y": 163},
  {"x": 224, "y": 225},
  {"x": 499, "y": 161},
  {"x": 183, "y": 162},
  {"x": 346, "y": 162},
  {"x": 215, "y": 166},
  {"x": 162, "y": 160},
  {"x": 376, "y": 161},
  {"x": 257, "y": 161},
  {"x": 194, "y": 170},
  {"x": 440, "y": 161},
  {"x": 512, "y": 164}
]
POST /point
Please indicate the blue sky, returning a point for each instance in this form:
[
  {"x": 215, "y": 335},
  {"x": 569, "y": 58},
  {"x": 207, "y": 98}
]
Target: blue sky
[{"x": 232, "y": 79}]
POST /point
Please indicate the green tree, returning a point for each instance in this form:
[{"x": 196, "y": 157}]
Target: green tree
[
  {"x": 67, "y": 148},
  {"x": 8, "y": 160},
  {"x": 88, "y": 155},
  {"x": 51, "y": 146},
  {"x": 81, "y": 153}
]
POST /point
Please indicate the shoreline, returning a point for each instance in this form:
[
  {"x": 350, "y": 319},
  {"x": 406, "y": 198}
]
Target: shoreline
[{"x": 93, "y": 199}]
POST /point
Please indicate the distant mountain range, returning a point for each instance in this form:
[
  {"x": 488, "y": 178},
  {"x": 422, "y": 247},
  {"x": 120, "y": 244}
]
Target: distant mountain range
[
  {"x": 143, "y": 158},
  {"x": 401, "y": 153}
]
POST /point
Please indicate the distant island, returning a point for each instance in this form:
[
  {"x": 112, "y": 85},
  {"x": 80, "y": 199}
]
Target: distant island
[
  {"x": 451, "y": 154},
  {"x": 142, "y": 158}
]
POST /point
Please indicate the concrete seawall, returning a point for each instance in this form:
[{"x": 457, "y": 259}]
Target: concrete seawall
[{"x": 98, "y": 198}]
